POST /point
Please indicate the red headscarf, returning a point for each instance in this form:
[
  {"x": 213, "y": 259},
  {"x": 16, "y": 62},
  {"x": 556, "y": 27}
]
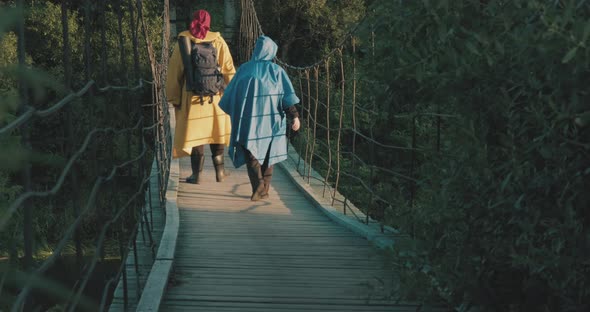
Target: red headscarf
[{"x": 200, "y": 24}]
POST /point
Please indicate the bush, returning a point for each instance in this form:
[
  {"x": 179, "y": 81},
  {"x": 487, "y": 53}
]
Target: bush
[{"x": 502, "y": 217}]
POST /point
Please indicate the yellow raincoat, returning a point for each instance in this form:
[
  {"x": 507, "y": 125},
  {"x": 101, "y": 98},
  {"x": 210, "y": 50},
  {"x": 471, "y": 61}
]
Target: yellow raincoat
[{"x": 198, "y": 123}]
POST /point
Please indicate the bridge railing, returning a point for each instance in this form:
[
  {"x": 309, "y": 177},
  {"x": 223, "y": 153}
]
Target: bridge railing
[{"x": 90, "y": 202}]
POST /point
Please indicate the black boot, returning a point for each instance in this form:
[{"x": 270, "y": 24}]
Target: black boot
[
  {"x": 256, "y": 180},
  {"x": 197, "y": 162},
  {"x": 220, "y": 172}
]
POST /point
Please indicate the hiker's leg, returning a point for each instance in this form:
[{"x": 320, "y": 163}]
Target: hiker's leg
[
  {"x": 217, "y": 156},
  {"x": 254, "y": 173},
  {"x": 267, "y": 177},
  {"x": 197, "y": 161}
]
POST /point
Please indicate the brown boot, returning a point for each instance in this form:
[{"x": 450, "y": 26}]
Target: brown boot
[
  {"x": 256, "y": 180},
  {"x": 220, "y": 172},
  {"x": 259, "y": 193}
]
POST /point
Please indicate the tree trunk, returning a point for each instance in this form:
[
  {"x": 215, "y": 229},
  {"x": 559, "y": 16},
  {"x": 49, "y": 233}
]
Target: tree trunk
[
  {"x": 290, "y": 38},
  {"x": 230, "y": 21}
]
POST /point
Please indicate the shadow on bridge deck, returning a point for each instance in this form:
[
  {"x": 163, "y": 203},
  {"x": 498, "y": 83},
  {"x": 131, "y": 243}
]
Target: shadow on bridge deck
[{"x": 279, "y": 254}]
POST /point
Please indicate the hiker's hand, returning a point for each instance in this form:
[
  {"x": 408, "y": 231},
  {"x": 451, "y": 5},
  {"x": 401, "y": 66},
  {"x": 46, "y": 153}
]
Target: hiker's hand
[{"x": 296, "y": 124}]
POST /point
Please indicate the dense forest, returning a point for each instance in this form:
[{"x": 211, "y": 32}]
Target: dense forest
[
  {"x": 70, "y": 47},
  {"x": 490, "y": 101},
  {"x": 487, "y": 101}
]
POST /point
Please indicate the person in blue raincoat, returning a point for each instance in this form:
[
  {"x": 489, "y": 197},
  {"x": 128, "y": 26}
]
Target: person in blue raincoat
[{"x": 258, "y": 99}]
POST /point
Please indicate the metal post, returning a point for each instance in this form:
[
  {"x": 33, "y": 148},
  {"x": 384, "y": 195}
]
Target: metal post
[
  {"x": 371, "y": 176},
  {"x": 26, "y": 173},
  {"x": 122, "y": 253},
  {"x": 70, "y": 128},
  {"x": 438, "y": 125},
  {"x": 412, "y": 165}
]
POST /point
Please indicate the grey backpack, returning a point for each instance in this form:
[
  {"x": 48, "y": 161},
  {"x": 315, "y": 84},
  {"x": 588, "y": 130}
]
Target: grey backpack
[{"x": 202, "y": 73}]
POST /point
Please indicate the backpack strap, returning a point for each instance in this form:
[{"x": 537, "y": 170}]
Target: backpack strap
[{"x": 185, "y": 52}]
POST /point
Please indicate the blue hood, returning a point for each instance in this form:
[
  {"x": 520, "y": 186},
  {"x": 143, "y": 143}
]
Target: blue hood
[{"x": 265, "y": 49}]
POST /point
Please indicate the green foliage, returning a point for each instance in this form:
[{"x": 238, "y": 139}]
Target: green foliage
[
  {"x": 13, "y": 277},
  {"x": 12, "y": 154},
  {"x": 502, "y": 213},
  {"x": 44, "y": 38},
  {"x": 306, "y": 29},
  {"x": 8, "y": 236},
  {"x": 7, "y": 56},
  {"x": 52, "y": 140}
]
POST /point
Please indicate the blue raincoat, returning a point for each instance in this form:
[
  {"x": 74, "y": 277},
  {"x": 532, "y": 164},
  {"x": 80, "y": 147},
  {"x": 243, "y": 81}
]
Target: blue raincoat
[{"x": 255, "y": 100}]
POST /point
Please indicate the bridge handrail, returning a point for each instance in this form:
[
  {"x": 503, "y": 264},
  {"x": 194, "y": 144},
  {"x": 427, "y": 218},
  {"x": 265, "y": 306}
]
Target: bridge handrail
[{"x": 157, "y": 279}]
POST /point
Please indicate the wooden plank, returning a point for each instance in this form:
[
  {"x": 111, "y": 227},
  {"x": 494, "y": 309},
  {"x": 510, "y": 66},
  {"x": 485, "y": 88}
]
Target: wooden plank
[
  {"x": 293, "y": 298},
  {"x": 342, "y": 281},
  {"x": 217, "y": 263},
  {"x": 315, "y": 242},
  {"x": 224, "y": 306}
]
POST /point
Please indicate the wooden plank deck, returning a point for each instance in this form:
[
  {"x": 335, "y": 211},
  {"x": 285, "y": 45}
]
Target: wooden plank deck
[{"x": 279, "y": 254}]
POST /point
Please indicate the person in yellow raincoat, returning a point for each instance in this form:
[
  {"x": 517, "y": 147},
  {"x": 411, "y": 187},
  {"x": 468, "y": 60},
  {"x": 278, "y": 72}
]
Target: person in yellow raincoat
[{"x": 199, "y": 120}]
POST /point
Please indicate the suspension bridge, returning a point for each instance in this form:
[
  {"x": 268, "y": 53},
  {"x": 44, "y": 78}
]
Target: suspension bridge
[{"x": 206, "y": 247}]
